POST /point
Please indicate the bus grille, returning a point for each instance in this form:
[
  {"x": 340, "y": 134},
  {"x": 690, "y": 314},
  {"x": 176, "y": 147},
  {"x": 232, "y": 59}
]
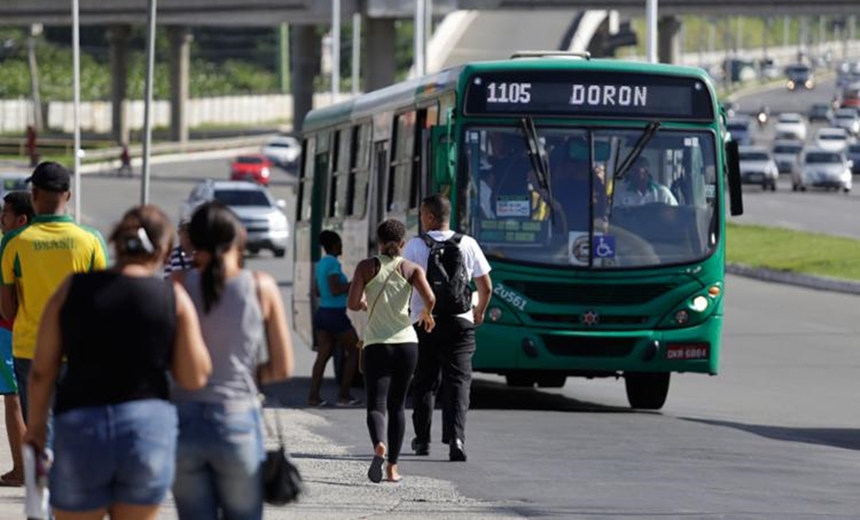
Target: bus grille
[
  {"x": 589, "y": 294},
  {"x": 588, "y": 347},
  {"x": 575, "y": 320}
]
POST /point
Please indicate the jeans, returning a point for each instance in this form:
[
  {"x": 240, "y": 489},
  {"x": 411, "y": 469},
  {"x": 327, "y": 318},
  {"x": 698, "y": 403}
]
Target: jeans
[
  {"x": 447, "y": 352},
  {"x": 121, "y": 453},
  {"x": 219, "y": 461}
]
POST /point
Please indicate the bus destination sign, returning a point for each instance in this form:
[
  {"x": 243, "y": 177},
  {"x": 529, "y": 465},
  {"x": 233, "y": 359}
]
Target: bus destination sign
[{"x": 580, "y": 94}]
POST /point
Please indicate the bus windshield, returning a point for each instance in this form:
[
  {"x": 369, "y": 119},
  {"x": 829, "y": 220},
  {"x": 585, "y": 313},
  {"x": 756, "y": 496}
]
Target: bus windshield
[{"x": 661, "y": 211}]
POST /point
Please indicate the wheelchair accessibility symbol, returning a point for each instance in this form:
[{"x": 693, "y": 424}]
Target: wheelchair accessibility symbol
[{"x": 604, "y": 246}]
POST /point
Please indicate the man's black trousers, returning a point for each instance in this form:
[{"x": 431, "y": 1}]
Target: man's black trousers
[{"x": 444, "y": 364}]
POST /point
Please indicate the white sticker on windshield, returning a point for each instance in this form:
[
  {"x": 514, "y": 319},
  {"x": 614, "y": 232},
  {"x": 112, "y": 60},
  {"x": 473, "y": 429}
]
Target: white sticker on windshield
[
  {"x": 578, "y": 248},
  {"x": 691, "y": 142},
  {"x": 513, "y": 206}
]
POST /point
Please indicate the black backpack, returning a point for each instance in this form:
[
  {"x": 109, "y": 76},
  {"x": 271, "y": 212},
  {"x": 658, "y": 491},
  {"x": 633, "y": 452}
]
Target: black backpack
[{"x": 447, "y": 275}]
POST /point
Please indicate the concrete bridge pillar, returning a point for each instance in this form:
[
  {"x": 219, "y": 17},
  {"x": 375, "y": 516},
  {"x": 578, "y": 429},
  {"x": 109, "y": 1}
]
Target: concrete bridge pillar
[
  {"x": 379, "y": 66},
  {"x": 304, "y": 50},
  {"x": 180, "y": 71},
  {"x": 118, "y": 37},
  {"x": 669, "y": 39}
]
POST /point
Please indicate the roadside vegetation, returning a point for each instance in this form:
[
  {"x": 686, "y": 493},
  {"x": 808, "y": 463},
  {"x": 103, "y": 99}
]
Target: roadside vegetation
[{"x": 793, "y": 251}]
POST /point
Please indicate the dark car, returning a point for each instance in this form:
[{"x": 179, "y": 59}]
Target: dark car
[
  {"x": 740, "y": 129},
  {"x": 820, "y": 112},
  {"x": 853, "y": 154},
  {"x": 799, "y": 77}
]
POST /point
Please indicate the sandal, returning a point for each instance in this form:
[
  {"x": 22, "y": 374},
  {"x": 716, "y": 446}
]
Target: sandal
[
  {"x": 374, "y": 472},
  {"x": 11, "y": 479}
]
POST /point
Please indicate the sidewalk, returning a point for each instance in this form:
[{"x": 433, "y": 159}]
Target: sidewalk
[{"x": 337, "y": 484}]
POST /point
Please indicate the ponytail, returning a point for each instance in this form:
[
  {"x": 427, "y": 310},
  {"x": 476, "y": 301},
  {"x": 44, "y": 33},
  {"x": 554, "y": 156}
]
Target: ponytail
[{"x": 212, "y": 280}]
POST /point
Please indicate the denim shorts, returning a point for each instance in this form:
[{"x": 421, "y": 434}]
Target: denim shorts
[
  {"x": 332, "y": 320},
  {"x": 123, "y": 453}
]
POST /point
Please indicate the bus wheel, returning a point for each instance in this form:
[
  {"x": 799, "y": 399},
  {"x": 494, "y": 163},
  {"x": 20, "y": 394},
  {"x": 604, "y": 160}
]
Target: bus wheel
[
  {"x": 520, "y": 381},
  {"x": 646, "y": 390},
  {"x": 552, "y": 381}
]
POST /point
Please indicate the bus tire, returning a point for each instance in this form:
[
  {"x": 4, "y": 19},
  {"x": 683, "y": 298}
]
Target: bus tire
[
  {"x": 520, "y": 380},
  {"x": 551, "y": 381},
  {"x": 646, "y": 390}
]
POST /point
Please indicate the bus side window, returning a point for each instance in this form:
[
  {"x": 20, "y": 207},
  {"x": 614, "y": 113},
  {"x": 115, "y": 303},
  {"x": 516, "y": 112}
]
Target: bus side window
[
  {"x": 400, "y": 173},
  {"x": 306, "y": 184},
  {"x": 359, "y": 179},
  {"x": 340, "y": 174}
]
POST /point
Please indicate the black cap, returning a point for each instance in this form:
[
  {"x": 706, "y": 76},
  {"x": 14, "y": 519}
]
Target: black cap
[{"x": 51, "y": 176}]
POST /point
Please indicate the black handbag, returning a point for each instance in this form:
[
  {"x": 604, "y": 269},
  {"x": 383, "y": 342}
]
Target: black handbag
[{"x": 282, "y": 482}]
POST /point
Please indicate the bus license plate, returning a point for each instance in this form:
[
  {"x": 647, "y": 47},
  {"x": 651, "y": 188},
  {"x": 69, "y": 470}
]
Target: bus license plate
[{"x": 687, "y": 351}]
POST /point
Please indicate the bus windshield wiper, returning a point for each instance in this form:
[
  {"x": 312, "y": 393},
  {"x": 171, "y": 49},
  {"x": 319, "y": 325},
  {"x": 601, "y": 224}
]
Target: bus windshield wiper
[
  {"x": 540, "y": 161},
  {"x": 621, "y": 170}
]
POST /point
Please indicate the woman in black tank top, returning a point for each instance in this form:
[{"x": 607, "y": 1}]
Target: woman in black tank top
[{"x": 120, "y": 332}]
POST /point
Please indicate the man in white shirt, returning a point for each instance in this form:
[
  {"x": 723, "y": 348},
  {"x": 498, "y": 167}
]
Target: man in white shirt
[
  {"x": 449, "y": 348},
  {"x": 641, "y": 188}
]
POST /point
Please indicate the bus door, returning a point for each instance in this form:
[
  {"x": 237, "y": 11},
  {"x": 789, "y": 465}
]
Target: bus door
[{"x": 378, "y": 193}]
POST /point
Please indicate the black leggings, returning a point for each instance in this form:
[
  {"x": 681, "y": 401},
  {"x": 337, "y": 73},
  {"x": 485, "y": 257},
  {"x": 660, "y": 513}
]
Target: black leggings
[{"x": 388, "y": 370}]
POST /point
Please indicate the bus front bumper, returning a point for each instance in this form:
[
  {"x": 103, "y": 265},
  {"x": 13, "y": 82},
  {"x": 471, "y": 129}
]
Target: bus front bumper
[{"x": 507, "y": 349}]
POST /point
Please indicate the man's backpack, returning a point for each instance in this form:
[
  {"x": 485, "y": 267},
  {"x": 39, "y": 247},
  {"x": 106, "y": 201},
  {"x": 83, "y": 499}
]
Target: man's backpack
[{"x": 447, "y": 276}]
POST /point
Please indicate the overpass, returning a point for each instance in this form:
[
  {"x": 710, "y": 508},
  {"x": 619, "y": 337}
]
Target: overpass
[{"x": 379, "y": 15}]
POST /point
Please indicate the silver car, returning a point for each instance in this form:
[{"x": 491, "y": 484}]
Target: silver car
[
  {"x": 824, "y": 169},
  {"x": 758, "y": 167},
  {"x": 16, "y": 181},
  {"x": 786, "y": 154},
  {"x": 847, "y": 119},
  {"x": 262, "y": 216}
]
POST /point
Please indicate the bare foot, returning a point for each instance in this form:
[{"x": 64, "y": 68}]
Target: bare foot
[
  {"x": 392, "y": 473},
  {"x": 379, "y": 451}
]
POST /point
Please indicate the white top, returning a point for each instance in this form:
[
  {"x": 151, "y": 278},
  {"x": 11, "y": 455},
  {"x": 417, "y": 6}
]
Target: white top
[
  {"x": 655, "y": 192},
  {"x": 418, "y": 252}
]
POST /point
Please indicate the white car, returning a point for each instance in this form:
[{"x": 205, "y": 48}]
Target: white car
[
  {"x": 847, "y": 118},
  {"x": 832, "y": 139},
  {"x": 758, "y": 167},
  {"x": 824, "y": 169},
  {"x": 791, "y": 123},
  {"x": 284, "y": 151}
]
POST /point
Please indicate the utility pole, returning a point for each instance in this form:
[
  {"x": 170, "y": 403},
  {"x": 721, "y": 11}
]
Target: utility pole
[
  {"x": 356, "y": 52},
  {"x": 651, "y": 8},
  {"x": 147, "y": 107},
  {"x": 284, "y": 58},
  {"x": 420, "y": 40},
  {"x": 335, "y": 50},
  {"x": 76, "y": 88},
  {"x": 35, "y": 30}
]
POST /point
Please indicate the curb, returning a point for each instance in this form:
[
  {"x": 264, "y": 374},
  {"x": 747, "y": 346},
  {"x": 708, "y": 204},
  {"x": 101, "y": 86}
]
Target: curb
[
  {"x": 820, "y": 283},
  {"x": 108, "y": 166}
]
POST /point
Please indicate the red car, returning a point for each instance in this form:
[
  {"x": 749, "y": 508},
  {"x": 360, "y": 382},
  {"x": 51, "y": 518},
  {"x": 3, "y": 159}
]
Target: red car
[{"x": 252, "y": 167}]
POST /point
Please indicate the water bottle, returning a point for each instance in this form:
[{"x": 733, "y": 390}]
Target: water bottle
[{"x": 37, "y": 466}]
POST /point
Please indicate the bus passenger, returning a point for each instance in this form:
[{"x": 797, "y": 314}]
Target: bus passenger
[
  {"x": 333, "y": 328},
  {"x": 382, "y": 285},
  {"x": 641, "y": 188}
]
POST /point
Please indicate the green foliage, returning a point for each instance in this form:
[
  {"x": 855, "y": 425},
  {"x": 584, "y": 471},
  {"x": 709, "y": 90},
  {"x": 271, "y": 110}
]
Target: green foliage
[{"x": 794, "y": 251}]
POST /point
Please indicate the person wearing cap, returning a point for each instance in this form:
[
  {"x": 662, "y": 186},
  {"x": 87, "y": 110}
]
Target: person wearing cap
[{"x": 35, "y": 259}]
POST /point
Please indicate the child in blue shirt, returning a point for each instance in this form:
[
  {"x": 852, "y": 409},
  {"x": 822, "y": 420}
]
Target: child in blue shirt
[{"x": 332, "y": 326}]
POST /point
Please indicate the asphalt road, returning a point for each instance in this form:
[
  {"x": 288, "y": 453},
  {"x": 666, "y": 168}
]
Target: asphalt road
[
  {"x": 775, "y": 435},
  {"x": 815, "y": 210}
]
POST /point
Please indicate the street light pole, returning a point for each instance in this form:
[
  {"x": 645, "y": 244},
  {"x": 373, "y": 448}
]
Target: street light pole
[
  {"x": 76, "y": 87},
  {"x": 420, "y": 26},
  {"x": 356, "y": 52},
  {"x": 147, "y": 107},
  {"x": 335, "y": 50},
  {"x": 651, "y": 30}
]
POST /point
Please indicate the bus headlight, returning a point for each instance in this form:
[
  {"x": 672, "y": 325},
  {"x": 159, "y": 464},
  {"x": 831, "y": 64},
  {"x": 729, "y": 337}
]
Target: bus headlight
[{"x": 699, "y": 304}]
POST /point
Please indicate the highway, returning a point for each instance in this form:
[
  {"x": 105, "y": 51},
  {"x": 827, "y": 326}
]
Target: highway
[
  {"x": 815, "y": 211},
  {"x": 776, "y": 435}
]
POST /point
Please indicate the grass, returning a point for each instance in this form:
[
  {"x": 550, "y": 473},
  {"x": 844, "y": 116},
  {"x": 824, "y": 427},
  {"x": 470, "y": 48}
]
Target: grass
[{"x": 793, "y": 251}]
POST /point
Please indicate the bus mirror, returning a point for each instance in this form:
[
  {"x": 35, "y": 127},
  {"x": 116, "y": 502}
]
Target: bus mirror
[
  {"x": 734, "y": 170},
  {"x": 444, "y": 155}
]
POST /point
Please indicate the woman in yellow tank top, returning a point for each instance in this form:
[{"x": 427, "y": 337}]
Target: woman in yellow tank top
[{"x": 382, "y": 286}]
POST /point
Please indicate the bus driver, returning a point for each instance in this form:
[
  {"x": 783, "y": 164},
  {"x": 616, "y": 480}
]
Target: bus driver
[{"x": 641, "y": 188}]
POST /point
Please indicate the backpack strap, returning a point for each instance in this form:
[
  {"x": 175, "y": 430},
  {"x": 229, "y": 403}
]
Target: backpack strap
[
  {"x": 427, "y": 240},
  {"x": 456, "y": 238}
]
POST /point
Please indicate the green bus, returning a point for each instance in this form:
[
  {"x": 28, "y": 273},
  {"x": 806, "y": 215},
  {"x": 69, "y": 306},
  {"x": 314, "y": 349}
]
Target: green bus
[{"x": 598, "y": 190}]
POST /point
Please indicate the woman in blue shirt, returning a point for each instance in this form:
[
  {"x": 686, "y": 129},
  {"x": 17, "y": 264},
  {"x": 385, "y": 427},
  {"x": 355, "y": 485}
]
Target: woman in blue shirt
[{"x": 333, "y": 327}]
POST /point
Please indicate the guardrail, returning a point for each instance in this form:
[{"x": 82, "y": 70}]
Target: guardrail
[{"x": 95, "y": 152}]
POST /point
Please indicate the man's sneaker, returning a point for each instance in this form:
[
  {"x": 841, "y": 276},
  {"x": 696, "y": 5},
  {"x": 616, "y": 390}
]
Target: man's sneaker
[
  {"x": 420, "y": 448},
  {"x": 457, "y": 451}
]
